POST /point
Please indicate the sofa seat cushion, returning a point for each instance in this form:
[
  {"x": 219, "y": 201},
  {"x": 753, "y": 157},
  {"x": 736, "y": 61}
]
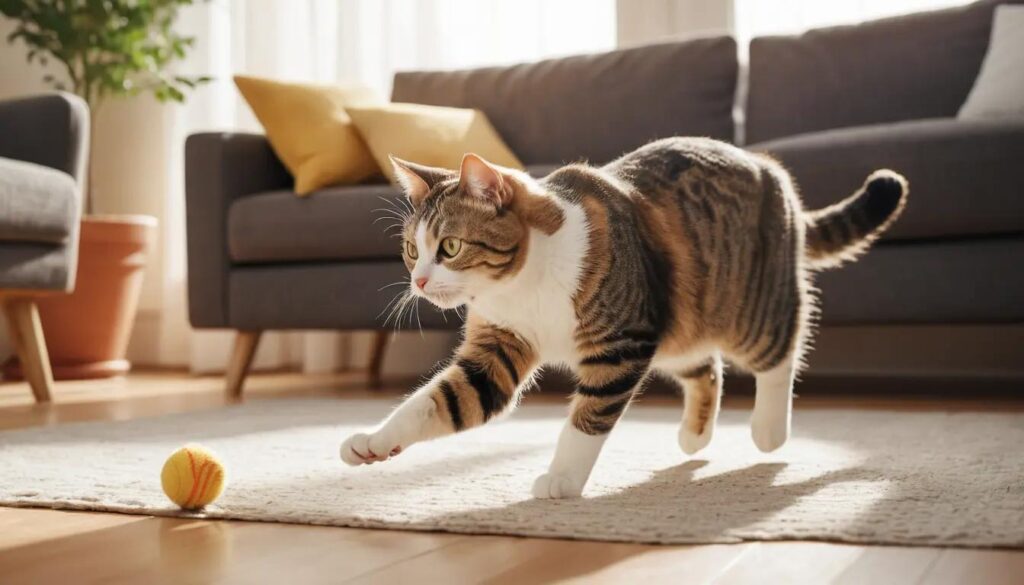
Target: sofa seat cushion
[
  {"x": 37, "y": 204},
  {"x": 340, "y": 223},
  {"x": 977, "y": 280},
  {"x": 325, "y": 295},
  {"x": 965, "y": 177}
]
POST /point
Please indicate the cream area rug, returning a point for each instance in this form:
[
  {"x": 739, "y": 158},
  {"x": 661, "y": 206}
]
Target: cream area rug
[{"x": 853, "y": 476}]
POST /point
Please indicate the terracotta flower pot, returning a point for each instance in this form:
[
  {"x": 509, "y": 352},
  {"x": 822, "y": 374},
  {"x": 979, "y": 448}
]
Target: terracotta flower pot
[{"x": 87, "y": 331}]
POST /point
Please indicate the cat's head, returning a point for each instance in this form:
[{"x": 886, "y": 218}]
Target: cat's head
[{"x": 469, "y": 228}]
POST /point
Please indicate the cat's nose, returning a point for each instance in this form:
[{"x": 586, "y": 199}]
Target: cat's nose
[{"x": 421, "y": 282}]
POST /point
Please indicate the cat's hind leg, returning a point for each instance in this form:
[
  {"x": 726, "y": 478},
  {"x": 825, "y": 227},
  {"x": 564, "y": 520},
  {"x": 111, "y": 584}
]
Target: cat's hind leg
[
  {"x": 773, "y": 406},
  {"x": 775, "y": 360},
  {"x": 702, "y": 395}
]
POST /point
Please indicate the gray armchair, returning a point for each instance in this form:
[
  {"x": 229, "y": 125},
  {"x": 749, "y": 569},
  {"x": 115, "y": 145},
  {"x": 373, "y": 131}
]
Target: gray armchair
[{"x": 43, "y": 149}]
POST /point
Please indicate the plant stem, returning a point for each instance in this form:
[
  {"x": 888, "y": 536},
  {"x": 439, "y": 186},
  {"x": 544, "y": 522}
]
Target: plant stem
[{"x": 87, "y": 199}]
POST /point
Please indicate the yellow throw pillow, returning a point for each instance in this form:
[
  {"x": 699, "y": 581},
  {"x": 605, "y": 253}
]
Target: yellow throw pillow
[
  {"x": 429, "y": 135},
  {"x": 309, "y": 130}
]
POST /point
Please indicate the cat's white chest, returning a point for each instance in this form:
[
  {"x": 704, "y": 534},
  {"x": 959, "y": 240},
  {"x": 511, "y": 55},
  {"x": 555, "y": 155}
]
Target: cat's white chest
[
  {"x": 545, "y": 317},
  {"x": 538, "y": 304}
]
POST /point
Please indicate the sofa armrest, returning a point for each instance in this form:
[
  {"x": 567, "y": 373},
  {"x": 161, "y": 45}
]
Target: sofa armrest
[
  {"x": 220, "y": 168},
  {"x": 50, "y": 130}
]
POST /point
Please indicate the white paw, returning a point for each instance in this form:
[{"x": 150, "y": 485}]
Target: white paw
[
  {"x": 769, "y": 434},
  {"x": 691, "y": 442},
  {"x": 363, "y": 448},
  {"x": 555, "y": 486}
]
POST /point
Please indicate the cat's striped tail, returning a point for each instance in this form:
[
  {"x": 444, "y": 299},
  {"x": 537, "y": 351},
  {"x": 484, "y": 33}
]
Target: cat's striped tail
[{"x": 842, "y": 231}]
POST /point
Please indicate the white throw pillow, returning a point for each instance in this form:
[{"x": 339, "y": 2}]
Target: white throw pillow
[{"x": 998, "y": 93}]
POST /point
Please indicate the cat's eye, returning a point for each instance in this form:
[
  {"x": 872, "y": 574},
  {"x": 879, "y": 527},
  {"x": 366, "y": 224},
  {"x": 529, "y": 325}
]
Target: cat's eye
[
  {"x": 410, "y": 249},
  {"x": 450, "y": 247}
]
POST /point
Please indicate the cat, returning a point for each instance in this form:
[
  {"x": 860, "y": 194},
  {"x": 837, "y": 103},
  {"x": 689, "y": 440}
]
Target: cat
[{"x": 680, "y": 254}]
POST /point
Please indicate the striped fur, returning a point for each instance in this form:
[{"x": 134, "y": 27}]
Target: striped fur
[
  {"x": 671, "y": 258},
  {"x": 844, "y": 230}
]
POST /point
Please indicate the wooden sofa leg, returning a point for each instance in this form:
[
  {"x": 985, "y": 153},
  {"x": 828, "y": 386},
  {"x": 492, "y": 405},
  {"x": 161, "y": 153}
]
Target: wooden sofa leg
[
  {"x": 242, "y": 354},
  {"x": 380, "y": 346},
  {"x": 27, "y": 337}
]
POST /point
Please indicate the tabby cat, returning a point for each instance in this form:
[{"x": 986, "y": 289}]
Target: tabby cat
[{"x": 670, "y": 259}]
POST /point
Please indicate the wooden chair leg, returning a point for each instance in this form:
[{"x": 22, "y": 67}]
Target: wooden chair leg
[
  {"x": 380, "y": 346},
  {"x": 27, "y": 337},
  {"x": 242, "y": 354}
]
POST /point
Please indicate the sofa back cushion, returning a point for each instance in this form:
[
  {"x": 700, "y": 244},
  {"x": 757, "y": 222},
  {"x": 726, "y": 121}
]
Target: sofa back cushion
[
  {"x": 909, "y": 67},
  {"x": 593, "y": 107}
]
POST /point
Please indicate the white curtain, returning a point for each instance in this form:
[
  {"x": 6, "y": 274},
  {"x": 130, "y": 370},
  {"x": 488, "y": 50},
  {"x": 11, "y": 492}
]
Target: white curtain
[{"x": 337, "y": 41}]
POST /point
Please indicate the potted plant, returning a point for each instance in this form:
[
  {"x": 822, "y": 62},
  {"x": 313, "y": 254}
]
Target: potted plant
[{"x": 106, "y": 48}]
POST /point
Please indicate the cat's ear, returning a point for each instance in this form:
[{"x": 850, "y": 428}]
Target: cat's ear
[
  {"x": 417, "y": 180},
  {"x": 480, "y": 178}
]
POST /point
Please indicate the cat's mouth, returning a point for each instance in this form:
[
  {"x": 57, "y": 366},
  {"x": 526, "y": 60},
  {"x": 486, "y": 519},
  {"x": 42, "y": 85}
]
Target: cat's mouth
[{"x": 444, "y": 299}]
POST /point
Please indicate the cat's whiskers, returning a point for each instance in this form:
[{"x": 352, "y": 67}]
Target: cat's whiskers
[
  {"x": 406, "y": 304},
  {"x": 419, "y": 324},
  {"x": 405, "y": 282},
  {"x": 402, "y": 204},
  {"x": 398, "y": 216},
  {"x": 396, "y": 305}
]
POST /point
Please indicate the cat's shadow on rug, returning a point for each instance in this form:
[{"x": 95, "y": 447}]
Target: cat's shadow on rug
[
  {"x": 732, "y": 499},
  {"x": 747, "y": 496}
]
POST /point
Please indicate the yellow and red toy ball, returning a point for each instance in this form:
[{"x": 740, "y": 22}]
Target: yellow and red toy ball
[{"x": 192, "y": 477}]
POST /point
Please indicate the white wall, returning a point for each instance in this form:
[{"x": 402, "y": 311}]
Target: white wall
[{"x": 646, "y": 21}]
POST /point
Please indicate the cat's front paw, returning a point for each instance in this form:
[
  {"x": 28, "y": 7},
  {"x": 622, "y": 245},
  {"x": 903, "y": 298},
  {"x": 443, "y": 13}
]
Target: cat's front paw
[
  {"x": 365, "y": 448},
  {"x": 556, "y": 486}
]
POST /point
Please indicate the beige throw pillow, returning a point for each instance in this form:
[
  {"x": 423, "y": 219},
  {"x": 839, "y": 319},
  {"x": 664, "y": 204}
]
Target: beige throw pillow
[
  {"x": 429, "y": 135},
  {"x": 309, "y": 130}
]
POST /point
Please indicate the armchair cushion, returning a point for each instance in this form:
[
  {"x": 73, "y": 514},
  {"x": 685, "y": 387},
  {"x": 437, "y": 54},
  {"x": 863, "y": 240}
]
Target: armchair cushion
[
  {"x": 34, "y": 266},
  {"x": 37, "y": 203}
]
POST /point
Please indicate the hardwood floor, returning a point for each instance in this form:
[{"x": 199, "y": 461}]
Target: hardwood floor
[{"x": 47, "y": 546}]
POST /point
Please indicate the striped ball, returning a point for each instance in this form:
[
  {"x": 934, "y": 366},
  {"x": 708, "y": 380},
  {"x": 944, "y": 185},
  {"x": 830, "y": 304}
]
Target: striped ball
[{"x": 192, "y": 477}]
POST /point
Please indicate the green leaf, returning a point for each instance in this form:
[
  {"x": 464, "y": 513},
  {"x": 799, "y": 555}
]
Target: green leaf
[{"x": 107, "y": 47}]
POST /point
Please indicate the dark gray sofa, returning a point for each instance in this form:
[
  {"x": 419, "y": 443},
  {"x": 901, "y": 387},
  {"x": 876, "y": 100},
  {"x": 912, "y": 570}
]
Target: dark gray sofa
[{"x": 832, "y": 105}]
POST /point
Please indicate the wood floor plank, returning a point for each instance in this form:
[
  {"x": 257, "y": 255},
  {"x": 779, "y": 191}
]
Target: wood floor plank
[
  {"x": 473, "y": 560},
  {"x": 889, "y": 565},
  {"x": 497, "y": 559},
  {"x": 510, "y": 561},
  {"x": 790, "y": 562},
  {"x": 977, "y": 567},
  {"x": 26, "y": 526},
  {"x": 613, "y": 564},
  {"x": 141, "y": 549}
]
